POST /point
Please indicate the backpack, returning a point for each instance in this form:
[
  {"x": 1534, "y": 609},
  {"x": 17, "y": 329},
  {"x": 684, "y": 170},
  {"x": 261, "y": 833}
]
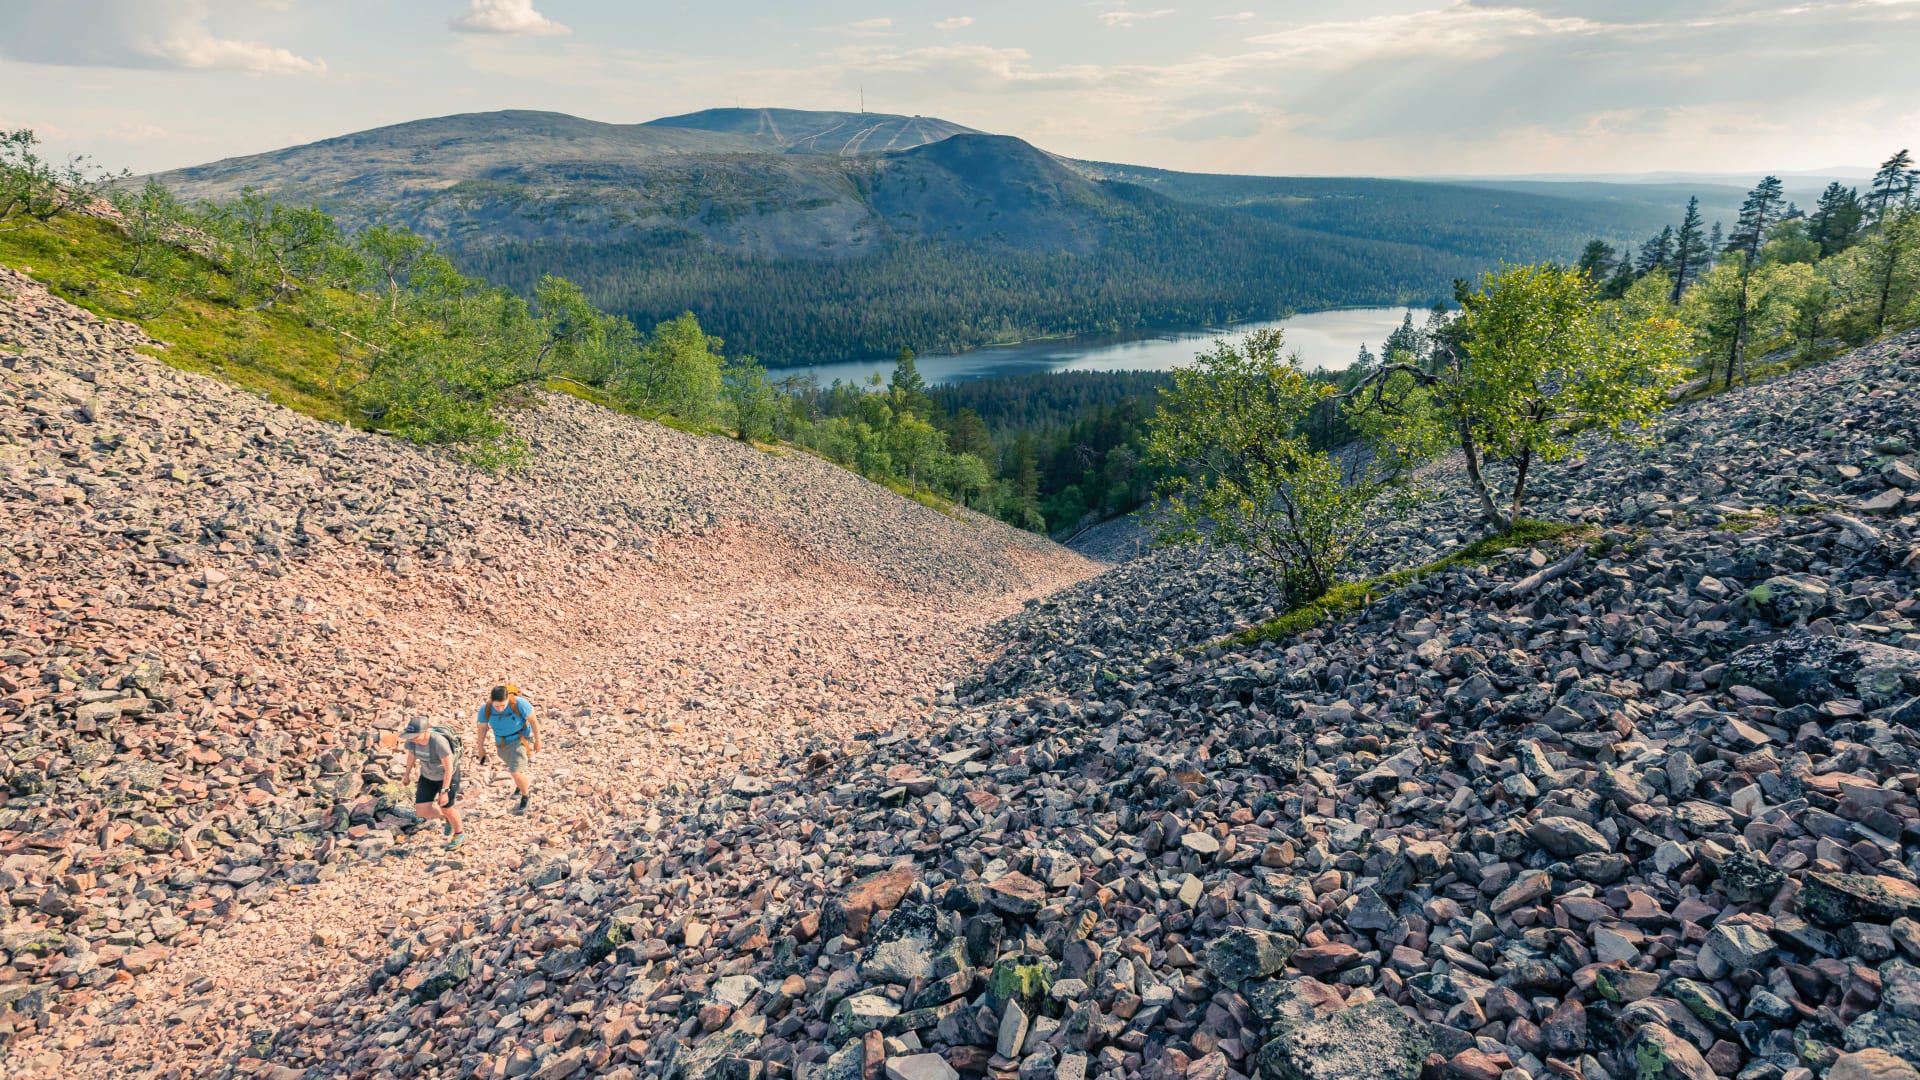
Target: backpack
[
  {"x": 453, "y": 742},
  {"x": 513, "y": 706}
]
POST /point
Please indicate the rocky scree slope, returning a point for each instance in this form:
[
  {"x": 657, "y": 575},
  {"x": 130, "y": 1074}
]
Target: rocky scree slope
[
  {"x": 1642, "y": 805},
  {"x": 206, "y": 602}
]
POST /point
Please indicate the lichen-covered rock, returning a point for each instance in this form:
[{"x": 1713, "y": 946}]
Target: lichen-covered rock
[
  {"x": 452, "y": 970},
  {"x": 1374, "y": 1041},
  {"x": 1839, "y": 899},
  {"x": 1807, "y": 669},
  {"x": 1656, "y": 1053},
  {"x": 1241, "y": 954}
]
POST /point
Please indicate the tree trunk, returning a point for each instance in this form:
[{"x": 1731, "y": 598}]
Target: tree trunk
[
  {"x": 1886, "y": 283},
  {"x": 1519, "y": 484},
  {"x": 1739, "y": 329},
  {"x": 1472, "y": 455}
]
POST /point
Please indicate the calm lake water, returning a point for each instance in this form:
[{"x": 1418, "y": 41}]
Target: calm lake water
[{"x": 1325, "y": 339}]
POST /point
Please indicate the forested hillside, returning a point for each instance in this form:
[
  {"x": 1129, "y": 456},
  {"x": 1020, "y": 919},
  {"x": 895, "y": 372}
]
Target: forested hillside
[
  {"x": 799, "y": 236},
  {"x": 1159, "y": 264}
]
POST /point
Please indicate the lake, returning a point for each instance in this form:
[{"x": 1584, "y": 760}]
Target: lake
[{"x": 1324, "y": 339}]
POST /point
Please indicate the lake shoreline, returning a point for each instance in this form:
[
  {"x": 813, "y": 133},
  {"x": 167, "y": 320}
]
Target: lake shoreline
[
  {"x": 1327, "y": 338},
  {"x": 1141, "y": 334}
]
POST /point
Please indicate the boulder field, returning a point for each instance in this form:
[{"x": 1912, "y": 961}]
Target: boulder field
[
  {"x": 214, "y": 612},
  {"x": 1635, "y": 803}
]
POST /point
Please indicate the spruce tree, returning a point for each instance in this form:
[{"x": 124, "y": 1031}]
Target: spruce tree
[
  {"x": 907, "y": 389},
  {"x": 1656, "y": 254},
  {"x": 1405, "y": 343},
  {"x": 1836, "y": 219},
  {"x": 1689, "y": 249},
  {"x": 1622, "y": 280},
  {"x": 1595, "y": 259}
]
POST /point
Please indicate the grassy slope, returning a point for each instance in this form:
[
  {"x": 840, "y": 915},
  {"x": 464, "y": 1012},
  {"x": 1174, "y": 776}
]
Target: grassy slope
[{"x": 272, "y": 352}]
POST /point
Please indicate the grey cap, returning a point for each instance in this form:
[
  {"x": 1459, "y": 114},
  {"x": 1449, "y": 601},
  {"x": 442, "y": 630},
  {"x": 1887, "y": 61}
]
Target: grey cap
[{"x": 417, "y": 725}]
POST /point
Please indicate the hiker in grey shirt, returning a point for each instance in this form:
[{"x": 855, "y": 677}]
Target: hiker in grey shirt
[{"x": 436, "y": 758}]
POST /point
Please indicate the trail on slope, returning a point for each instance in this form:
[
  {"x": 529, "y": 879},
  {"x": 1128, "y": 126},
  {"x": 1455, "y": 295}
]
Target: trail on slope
[
  {"x": 207, "y": 602},
  {"x": 644, "y": 676}
]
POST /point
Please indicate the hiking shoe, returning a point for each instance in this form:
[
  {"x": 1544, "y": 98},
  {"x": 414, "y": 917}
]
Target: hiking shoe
[
  {"x": 522, "y": 808},
  {"x": 458, "y": 839}
]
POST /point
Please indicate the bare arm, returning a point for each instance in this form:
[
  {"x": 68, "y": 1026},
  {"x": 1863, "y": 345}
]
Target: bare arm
[
  {"x": 484, "y": 740},
  {"x": 533, "y": 729}
]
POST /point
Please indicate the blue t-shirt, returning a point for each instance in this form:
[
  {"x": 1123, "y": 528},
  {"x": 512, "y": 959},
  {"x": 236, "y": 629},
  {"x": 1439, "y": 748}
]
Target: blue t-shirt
[{"x": 508, "y": 725}]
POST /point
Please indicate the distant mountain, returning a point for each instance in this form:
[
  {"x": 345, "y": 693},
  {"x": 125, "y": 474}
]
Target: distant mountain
[
  {"x": 808, "y": 236},
  {"x": 801, "y": 131}
]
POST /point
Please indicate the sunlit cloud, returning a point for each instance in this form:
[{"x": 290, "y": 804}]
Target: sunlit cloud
[
  {"x": 1128, "y": 18},
  {"x": 505, "y": 17},
  {"x": 958, "y": 22},
  {"x": 1460, "y": 29}
]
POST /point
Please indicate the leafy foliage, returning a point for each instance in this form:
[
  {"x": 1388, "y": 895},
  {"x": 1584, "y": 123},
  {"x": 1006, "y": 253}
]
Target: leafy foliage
[
  {"x": 1543, "y": 357},
  {"x": 1247, "y": 477},
  {"x": 33, "y": 189},
  {"x": 1784, "y": 282}
]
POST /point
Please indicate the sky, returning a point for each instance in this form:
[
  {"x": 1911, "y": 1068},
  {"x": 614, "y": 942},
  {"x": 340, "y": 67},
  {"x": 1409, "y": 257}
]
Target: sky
[{"x": 1353, "y": 87}]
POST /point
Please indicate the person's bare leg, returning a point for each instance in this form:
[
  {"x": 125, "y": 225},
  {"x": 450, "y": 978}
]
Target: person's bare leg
[
  {"x": 452, "y": 817},
  {"x": 426, "y": 811},
  {"x": 520, "y": 782}
]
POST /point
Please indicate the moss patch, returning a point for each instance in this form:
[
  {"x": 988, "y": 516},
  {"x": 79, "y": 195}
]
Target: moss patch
[{"x": 1350, "y": 596}]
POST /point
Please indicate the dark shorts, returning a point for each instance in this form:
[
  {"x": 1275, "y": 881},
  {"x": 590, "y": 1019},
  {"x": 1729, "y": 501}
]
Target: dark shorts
[{"x": 426, "y": 791}]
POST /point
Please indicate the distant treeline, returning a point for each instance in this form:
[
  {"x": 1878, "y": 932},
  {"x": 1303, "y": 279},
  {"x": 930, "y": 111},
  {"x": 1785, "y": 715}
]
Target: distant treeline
[{"x": 1162, "y": 264}]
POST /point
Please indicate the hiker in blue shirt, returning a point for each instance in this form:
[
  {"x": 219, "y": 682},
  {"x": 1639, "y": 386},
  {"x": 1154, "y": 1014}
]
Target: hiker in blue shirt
[{"x": 506, "y": 721}]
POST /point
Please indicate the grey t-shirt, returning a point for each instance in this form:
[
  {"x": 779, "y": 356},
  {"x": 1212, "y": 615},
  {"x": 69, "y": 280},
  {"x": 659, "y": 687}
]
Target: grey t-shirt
[{"x": 434, "y": 758}]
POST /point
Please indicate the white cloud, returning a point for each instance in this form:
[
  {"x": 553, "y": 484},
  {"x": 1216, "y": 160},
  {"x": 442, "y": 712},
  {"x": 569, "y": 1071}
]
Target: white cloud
[
  {"x": 956, "y": 23},
  {"x": 164, "y": 34},
  {"x": 1128, "y": 18},
  {"x": 1238, "y": 16},
  {"x": 871, "y": 24},
  {"x": 505, "y": 17}
]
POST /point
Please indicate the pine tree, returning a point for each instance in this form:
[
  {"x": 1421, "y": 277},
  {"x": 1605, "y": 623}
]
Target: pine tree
[
  {"x": 1836, "y": 220},
  {"x": 1656, "y": 254},
  {"x": 1892, "y": 185},
  {"x": 1715, "y": 245},
  {"x": 1757, "y": 215},
  {"x": 1689, "y": 249}
]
